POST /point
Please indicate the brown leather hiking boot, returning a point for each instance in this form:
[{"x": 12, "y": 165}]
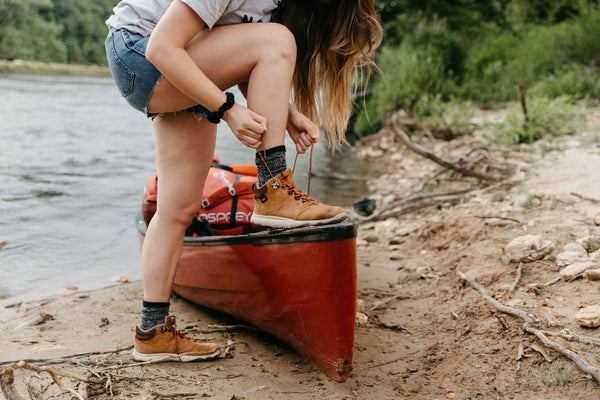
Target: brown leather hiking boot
[
  {"x": 164, "y": 343},
  {"x": 279, "y": 204}
]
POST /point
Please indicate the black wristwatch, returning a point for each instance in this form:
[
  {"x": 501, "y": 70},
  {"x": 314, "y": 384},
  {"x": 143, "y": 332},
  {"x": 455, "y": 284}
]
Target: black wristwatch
[{"x": 215, "y": 117}]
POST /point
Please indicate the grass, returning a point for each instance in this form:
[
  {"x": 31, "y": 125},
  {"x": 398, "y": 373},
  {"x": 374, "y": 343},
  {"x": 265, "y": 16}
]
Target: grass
[{"x": 562, "y": 374}]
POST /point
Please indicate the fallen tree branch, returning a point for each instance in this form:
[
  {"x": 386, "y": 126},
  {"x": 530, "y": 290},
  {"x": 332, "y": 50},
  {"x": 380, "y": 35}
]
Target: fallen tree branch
[
  {"x": 444, "y": 163},
  {"x": 61, "y": 359},
  {"x": 568, "y": 335},
  {"x": 413, "y": 207},
  {"x": 530, "y": 319},
  {"x": 493, "y": 217},
  {"x": 573, "y": 356},
  {"x": 499, "y": 306},
  {"x": 582, "y": 197},
  {"x": 516, "y": 282}
]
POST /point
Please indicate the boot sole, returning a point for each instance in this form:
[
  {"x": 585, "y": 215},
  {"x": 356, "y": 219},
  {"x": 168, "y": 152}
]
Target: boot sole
[
  {"x": 268, "y": 221},
  {"x": 163, "y": 357}
]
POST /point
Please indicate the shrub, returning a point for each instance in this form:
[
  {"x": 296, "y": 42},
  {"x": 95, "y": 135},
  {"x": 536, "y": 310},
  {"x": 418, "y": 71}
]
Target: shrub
[
  {"x": 428, "y": 63},
  {"x": 574, "y": 80},
  {"x": 453, "y": 115},
  {"x": 547, "y": 117}
]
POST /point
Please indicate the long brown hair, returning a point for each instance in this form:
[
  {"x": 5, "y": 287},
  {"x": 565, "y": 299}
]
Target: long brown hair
[{"x": 334, "y": 39}]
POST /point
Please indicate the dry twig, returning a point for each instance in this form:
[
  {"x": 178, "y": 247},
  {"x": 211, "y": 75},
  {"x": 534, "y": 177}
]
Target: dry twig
[
  {"x": 444, "y": 163},
  {"x": 582, "y": 197},
  {"x": 530, "y": 320},
  {"x": 518, "y": 278}
]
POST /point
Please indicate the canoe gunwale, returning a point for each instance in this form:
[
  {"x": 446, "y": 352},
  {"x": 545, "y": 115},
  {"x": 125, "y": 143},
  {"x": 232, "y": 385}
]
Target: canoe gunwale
[{"x": 346, "y": 229}]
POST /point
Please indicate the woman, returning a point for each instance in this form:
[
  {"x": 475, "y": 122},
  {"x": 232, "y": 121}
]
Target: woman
[{"x": 172, "y": 59}]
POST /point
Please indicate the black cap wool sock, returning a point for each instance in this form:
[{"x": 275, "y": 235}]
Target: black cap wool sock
[
  {"x": 275, "y": 160},
  {"x": 153, "y": 314}
]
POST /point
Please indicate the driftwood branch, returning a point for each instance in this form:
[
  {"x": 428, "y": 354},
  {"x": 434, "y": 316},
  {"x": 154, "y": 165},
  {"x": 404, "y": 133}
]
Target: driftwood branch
[
  {"x": 530, "y": 320},
  {"x": 499, "y": 306},
  {"x": 444, "y": 163},
  {"x": 61, "y": 359},
  {"x": 517, "y": 279},
  {"x": 582, "y": 197}
]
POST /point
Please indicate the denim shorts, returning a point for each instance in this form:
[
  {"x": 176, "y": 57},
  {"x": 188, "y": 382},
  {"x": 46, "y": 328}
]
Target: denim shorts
[{"x": 134, "y": 75}]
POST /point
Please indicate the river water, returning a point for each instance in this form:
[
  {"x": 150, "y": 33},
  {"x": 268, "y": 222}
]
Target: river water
[{"x": 74, "y": 159}]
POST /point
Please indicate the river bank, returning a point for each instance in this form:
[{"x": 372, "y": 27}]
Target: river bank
[
  {"x": 429, "y": 333},
  {"x": 43, "y": 68}
]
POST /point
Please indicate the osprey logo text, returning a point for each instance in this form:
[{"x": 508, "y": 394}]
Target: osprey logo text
[{"x": 221, "y": 217}]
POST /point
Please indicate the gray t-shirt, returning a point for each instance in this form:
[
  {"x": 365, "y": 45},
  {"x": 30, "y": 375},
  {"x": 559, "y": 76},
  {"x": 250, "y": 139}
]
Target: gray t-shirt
[{"x": 141, "y": 16}]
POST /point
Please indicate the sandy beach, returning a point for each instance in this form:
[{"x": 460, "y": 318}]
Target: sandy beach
[{"x": 430, "y": 333}]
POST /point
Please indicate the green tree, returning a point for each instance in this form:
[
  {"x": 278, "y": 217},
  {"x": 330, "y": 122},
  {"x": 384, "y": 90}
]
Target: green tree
[
  {"x": 26, "y": 34},
  {"x": 84, "y": 30}
]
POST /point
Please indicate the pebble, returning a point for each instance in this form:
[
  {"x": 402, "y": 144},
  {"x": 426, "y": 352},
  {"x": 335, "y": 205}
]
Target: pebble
[
  {"x": 575, "y": 247},
  {"x": 575, "y": 270},
  {"x": 589, "y": 317},
  {"x": 361, "y": 319},
  {"x": 595, "y": 258},
  {"x": 397, "y": 240},
  {"x": 360, "y": 306},
  {"x": 498, "y": 196},
  {"x": 395, "y": 256},
  {"x": 570, "y": 257},
  {"x": 590, "y": 242},
  {"x": 371, "y": 237},
  {"x": 597, "y": 218},
  {"x": 592, "y": 274},
  {"x": 528, "y": 248}
]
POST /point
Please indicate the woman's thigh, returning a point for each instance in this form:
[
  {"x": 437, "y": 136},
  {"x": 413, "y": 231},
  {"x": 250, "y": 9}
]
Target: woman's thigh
[
  {"x": 226, "y": 55},
  {"x": 184, "y": 150}
]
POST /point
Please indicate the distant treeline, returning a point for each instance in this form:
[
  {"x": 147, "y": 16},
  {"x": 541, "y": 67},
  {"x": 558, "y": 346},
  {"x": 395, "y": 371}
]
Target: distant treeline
[{"x": 62, "y": 31}]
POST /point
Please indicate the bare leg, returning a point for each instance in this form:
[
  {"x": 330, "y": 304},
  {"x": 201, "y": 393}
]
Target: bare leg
[
  {"x": 184, "y": 150},
  {"x": 262, "y": 55}
]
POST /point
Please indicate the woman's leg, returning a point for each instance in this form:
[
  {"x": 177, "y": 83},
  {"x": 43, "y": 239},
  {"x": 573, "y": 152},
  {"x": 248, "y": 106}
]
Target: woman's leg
[
  {"x": 262, "y": 55},
  {"x": 184, "y": 150}
]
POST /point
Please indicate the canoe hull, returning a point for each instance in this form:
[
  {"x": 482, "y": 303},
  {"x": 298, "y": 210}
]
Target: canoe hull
[{"x": 298, "y": 285}]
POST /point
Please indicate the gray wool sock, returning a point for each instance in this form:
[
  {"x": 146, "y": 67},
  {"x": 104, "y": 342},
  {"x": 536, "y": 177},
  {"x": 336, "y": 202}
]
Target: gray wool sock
[
  {"x": 275, "y": 159},
  {"x": 153, "y": 314}
]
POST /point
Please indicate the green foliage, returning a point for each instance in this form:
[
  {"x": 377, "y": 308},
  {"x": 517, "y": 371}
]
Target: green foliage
[
  {"x": 562, "y": 374},
  {"x": 551, "y": 46},
  {"x": 542, "y": 11},
  {"x": 84, "y": 28},
  {"x": 433, "y": 112},
  {"x": 427, "y": 63},
  {"x": 574, "y": 80},
  {"x": 25, "y": 34},
  {"x": 54, "y": 30},
  {"x": 547, "y": 117}
]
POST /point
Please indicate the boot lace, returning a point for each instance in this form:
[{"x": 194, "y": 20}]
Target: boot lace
[
  {"x": 172, "y": 328},
  {"x": 298, "y": 194}
]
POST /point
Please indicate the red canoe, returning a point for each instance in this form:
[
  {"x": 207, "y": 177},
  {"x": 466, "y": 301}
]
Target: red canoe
[{"x": 296, "y": 284}]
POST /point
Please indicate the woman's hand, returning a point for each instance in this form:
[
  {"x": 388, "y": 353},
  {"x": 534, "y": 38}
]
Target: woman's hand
[
  {"x": 302, "y": 130},
  {"x": 246, "y": 125}
]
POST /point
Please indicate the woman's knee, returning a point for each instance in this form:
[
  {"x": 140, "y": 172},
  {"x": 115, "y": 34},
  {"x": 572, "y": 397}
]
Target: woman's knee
[
  {"x": 180, "y": 213},
  {"x": 277, "y": 41}
]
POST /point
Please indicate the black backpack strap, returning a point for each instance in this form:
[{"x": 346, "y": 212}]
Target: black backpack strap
[{"x": 199, "y": 227}]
